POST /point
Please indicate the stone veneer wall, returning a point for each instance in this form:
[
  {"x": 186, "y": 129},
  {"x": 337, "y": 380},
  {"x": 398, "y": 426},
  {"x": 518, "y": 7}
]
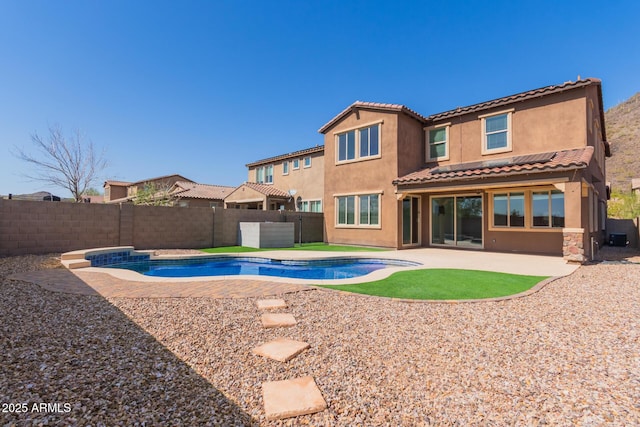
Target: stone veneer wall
[
  {"x": 573, "y": 245},
  {"x": 34, "y": 227}
]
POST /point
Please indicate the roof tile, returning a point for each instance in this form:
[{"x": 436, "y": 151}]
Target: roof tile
[
  {"x": 201, "y": 191},
  {"x": 557, "y": 161},
  {"x": 266, "y": 189}
]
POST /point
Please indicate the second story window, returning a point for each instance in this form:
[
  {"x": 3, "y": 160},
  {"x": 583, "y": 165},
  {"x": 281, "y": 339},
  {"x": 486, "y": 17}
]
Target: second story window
[
  {"x": 357, "y": 144},
  {"x": 268, "y": 174},
  {"x": 369, "y": 138},
  {"x": 264, "y": 174},
  {"x": 285, "y": 167},
  {"x": 307, "y": 162},
  {"x": 347, "y": 146},
  {"x": 296, "y": 164},
  {"x": 438, "y": 138},
  {"x": 496, "y": 133}
]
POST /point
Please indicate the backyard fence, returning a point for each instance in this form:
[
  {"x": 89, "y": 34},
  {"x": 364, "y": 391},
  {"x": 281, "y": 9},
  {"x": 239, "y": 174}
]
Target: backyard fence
[{"x": 34, "y": 227}]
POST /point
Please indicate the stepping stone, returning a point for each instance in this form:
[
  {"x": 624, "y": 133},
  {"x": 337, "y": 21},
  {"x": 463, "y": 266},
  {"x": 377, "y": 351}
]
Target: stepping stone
[
  {"x": 277, "y": 320},
  {"x": 290, "y": 398},
  {"x": 266, "y": 304},
  {"x": 281, "y": 349}
]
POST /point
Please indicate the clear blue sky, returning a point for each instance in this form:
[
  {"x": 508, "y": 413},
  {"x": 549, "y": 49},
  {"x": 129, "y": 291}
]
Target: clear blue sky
[{"x": 201, "y": 88}]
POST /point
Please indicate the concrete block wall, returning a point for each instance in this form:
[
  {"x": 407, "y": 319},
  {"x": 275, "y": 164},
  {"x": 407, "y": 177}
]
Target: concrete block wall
[
  {"x": 168, "y": 227},
  {"x": 30, "y": 227},
  {"x": 34, "y": 227}
]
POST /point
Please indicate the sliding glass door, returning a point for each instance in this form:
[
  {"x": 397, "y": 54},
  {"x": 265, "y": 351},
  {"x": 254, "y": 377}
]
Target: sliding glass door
[
  {"x": 411, "y": 221},
  {"x": 457, "y": 221}
]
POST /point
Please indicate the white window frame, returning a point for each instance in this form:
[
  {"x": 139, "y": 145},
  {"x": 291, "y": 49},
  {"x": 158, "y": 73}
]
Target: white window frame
[
  {"x": 357, "y": 149},
  {"x": 268, "y": 174},
  {"x": 296, "y": 164},
  {"x": 260, "y": 174},
  {"x": 307, "y": 205},
  {"x": 307, "y": 162},
  {"x": 357, "y": 200},
  {"x": 428, "y": 131},
  {"x": 285, "y": 167},
  {"x": 346, "y": 222},
  {"x": 360, "y": 206},
  {"x": 509, "y": 131}
]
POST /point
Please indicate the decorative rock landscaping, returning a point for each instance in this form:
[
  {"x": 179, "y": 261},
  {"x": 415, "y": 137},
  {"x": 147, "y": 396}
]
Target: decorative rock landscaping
[{"x": 567, "y": 355}]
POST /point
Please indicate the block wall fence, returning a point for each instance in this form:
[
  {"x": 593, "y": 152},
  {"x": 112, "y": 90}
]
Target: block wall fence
[{"x": 34, "y": 227}]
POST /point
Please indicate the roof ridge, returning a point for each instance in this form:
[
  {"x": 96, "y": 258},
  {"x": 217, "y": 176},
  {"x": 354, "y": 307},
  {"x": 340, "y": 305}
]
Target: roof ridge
[
  {"x": 532, "y": 93},
  {"x": 315, "y": 149}
]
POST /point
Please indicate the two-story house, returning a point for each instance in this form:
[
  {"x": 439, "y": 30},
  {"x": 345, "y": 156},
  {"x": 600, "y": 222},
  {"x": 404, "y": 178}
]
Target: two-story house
[
  {"x": 522, "y": 173},
  {"x": 292, "y": 181}
]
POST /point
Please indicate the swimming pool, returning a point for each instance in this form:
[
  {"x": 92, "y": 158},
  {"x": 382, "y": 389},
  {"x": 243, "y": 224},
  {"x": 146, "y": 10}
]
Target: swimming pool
[{"x": 323, "y": 269}]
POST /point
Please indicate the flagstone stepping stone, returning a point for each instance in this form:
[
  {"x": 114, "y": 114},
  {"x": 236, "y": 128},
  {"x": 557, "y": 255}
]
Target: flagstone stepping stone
[
  {"x": 281, "y": 349},
  {"x": 277, "y": 320},
  {"x": 266, "y": 304},
  {"x": 290, "y": 398}
]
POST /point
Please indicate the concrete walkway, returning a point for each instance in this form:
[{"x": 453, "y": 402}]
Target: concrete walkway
[{"x": 125, "y": 283}]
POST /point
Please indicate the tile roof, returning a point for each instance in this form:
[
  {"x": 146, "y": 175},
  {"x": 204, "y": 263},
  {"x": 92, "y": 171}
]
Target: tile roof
[
  {"x": 201, "y": 191},
  {"x": 375, "y": 106},
  {"x": 522, "y": 96},
  {"x": 122, "y": 183},
  {"x": 312, "y": 150},
  {"x": 266, "y": 189},
  {"x": 534, "y": 163}
]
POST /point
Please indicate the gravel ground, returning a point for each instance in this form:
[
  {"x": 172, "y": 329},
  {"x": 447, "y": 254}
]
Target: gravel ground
[{"x": 567, "y": 355}]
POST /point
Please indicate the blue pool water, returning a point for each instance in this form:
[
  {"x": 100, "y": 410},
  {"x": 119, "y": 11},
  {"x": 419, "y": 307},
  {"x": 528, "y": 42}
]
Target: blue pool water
[{"x": 232, "y": 266}]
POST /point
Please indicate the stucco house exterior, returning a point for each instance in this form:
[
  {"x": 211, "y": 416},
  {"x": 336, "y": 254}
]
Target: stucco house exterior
[
  {"x": 123, "y": 192},
  {"x": 521, "y": 173},
  {"x": 292, "y": 181}
]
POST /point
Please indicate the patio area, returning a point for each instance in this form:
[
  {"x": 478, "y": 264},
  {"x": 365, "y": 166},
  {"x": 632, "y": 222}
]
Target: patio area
[{"x": 109, "y": 282}]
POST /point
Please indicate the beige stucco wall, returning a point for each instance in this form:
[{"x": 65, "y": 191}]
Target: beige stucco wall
[
  {"x": 243, "y": 194},
  {"x": 401, "y": 145},
  {"x": 308, "y": 183},
  {"x": 540, "y": 125}
]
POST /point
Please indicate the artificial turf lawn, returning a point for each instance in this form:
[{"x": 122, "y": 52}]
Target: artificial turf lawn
[
  {"x": 304, "y": 247},
  {"x": 444, "y": 284}
]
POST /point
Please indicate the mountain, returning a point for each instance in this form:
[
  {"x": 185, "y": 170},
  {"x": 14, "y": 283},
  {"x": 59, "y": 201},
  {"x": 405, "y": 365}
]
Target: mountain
[{"x": 623, "y": 133}]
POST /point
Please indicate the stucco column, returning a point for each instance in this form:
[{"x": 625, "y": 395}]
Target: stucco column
[{"x": 573, "y": 204}]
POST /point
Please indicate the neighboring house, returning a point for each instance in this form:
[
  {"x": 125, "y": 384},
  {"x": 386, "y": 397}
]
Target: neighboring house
[
  {"x": 190, "y": 194},
  {"x": 522, "y": 173},
  {"x": 38, "y": 196},
  {"x": 292, "y": 181},
  {"x": 115, "y": 190},
  {"x": 125, "y": 192},
  {"x": 635, "y": 186}
]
